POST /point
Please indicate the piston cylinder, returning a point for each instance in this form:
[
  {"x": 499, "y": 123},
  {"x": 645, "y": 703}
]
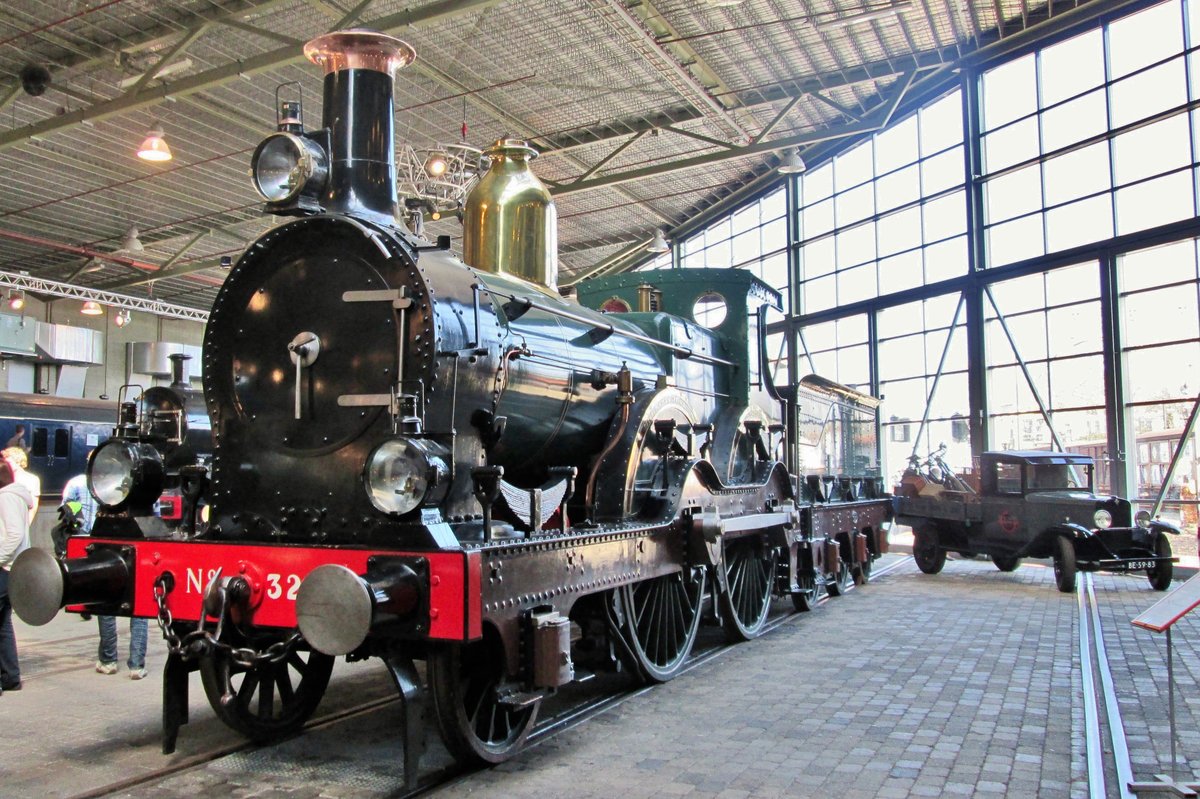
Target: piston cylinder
[{"x": 510, "y": 223}]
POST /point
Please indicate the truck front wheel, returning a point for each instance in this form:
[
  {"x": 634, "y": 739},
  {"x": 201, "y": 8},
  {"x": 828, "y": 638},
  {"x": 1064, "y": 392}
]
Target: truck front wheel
[
  {"x": 929, "y": 556},
  {"x": 1064, "y": 564}
]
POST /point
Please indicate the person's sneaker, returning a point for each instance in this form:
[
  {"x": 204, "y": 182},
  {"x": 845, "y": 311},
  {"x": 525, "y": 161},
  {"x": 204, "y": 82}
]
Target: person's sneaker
[
  {"x": 14, "y": 687},
  {"x": 137, "y": 674},
  {"x": 106, "y": 668}
]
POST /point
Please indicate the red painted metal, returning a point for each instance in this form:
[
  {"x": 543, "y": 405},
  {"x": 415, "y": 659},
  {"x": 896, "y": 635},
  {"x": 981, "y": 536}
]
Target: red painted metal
[{"x": 275, "y": 574}]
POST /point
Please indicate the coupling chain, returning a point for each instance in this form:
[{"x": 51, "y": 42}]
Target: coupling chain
[{"x": 204, "y": 641}]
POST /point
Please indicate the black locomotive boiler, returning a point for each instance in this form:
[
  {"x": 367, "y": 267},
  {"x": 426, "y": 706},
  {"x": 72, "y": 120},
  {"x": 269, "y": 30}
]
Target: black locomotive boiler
[{"x": 417, "y": 458}]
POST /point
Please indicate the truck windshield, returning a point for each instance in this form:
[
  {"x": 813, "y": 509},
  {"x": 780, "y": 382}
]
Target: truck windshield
[{"x": 1056, "y": 476}]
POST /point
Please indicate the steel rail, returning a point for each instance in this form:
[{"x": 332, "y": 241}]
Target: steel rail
[
  {"x": 1116, "y": 726},
  {"x": 1091, "y": 708}
]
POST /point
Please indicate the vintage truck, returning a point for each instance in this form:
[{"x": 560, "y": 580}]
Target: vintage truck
[{"x": 1029, "y": 504}]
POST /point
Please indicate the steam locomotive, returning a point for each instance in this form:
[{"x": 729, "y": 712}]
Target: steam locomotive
[{"x": 415, "y": 457}]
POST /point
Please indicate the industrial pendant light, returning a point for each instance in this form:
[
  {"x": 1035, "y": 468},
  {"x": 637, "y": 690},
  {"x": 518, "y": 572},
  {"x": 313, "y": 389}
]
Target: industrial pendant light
[
  {"x": 91, "y": 308},
  {"x": 792, "y": 163},
  {"x": 659, "y": 242},
  {"x": 154, "y": 146}
]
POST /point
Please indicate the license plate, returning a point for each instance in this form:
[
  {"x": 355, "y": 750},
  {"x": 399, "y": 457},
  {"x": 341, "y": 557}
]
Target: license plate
[{"x": 1135, "y": 565}]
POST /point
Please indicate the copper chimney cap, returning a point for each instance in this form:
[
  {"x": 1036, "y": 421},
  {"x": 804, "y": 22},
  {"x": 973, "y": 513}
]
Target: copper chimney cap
[{"x": 359, "y": 48}]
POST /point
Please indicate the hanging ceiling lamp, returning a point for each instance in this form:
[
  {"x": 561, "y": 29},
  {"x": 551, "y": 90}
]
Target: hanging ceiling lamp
[
  {"x": 792, "y": 163},
  {"x": 16, "y": 299},
  {"x": 130, "y": 242},
  {"x": 91, "y": 308},
  {"x": 154, "y": 146},
  {"x": 122, "y": 317},
  {"x": 659, "y": 243}
]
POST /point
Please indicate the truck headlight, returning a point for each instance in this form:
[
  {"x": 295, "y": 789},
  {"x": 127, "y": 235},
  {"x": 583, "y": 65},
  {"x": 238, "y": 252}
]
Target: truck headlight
[
  {"x": 122, "y": 472},
  {"x": 1102, "y": 519},
  {"x": 1143, "y": 519},
  {"x": 404, "y": 473}
]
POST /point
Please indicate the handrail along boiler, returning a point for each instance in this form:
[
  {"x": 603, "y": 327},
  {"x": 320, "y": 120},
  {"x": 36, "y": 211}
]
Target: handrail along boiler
[{"x": 415, "y": 457}]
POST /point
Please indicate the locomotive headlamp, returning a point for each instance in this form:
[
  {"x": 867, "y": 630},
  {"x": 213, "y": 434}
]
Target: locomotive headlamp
[
  {"x": 122, "y": 472},
  {"x": 1102, "y": 518},
  {"x": 403, "y": 473},
  {"x": 1143, "y": 519},
  {"x": 285, "y": 166}
]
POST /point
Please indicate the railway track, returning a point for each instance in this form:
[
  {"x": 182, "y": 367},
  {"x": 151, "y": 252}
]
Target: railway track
[{"x": 1100, "y": 706}]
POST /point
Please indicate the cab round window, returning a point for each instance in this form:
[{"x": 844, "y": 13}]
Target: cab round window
[{"x": 709, "y": 310}]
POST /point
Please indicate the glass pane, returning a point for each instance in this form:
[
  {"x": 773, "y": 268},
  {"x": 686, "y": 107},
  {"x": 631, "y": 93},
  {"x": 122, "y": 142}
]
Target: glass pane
[
  {"x": 900, "y": 272},
  {"x": 747, "y": 246},
  {"x": 897, "y": 189},
  {"x": 1077, "y": 174},
  {"x": 1014, "y": 194},
  {"x": 1157, "y": 265},
  {"x": 942, "y": 172},
  {"x": 1075, "y": 330},
  {"x": 817, "y": 219},
  {"x": 1015, "y": 241},
  {"x": 1019, "y": 294},
  {"x": 946, "y": 259},
  {"x": 855, "y": 285},
  {"x": 856, "y": 245},
  {"x": 1073, "y": 283},
  {"x": 1143, "y": 38},
  {"x": 896, "y": 146},
  {"x": 1072, "y": 67},
  {"x": 774, "y": 205},
  {"x": 1168, "y": 314},
  {"x": 941, "y": 123},
  {"x": 1009, "y": 92},
  {"x": 853, "y": 167},
  {"x": 745, "y": 219},
  {"x": 817, "y": 258},
  {"x": 719, "y": 255},
  {"x": 899, "y": 231},
  {"x": 818, "y": 183},
  {"x": 1028, "y": 331},
  {"x": 821, "y": 337},
  {"x": 773, "y": 271},
  {"x": 1148, "y": 93},
  {"x": 1154, "y": 202},
  {"x": 1151, "y": 150},
  {"x": 945, "y": 217},
  {"x": 1079, "y": 223},
  {"x": 774, "y": 235},
  {"x": 855, "y": 205},
  {"x": 1156, "y": 373},
  {"x": 898, "y": 354},
  {"x": 818, "y": 295},
  {"x": 1016, "y": 143},
  {"x": 1075, "y": 121}
]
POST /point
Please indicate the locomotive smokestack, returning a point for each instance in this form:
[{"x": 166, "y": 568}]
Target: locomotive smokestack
[
  {"x": 510, "y": 223},
  {"x": 357, "y": 109},
  {"x": 179, "y": 370}
]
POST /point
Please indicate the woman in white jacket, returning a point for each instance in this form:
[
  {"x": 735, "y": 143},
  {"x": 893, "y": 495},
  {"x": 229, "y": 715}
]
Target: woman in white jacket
[{"x": 15, "y": 503}]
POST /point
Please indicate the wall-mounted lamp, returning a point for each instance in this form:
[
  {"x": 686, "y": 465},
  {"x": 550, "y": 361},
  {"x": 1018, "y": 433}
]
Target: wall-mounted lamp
[
  {"x": 16, "y": 299},
  {"x": 91, "y": 308},
  {"x": 659, "y": 243},
  {"x": 792, "y": 163},
  {"x": 154, "y": 146},
  {"x": 122, "y": 317}
]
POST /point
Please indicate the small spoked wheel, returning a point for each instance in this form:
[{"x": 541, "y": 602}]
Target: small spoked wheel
[
  {"x": 660, "y": 619},
  {"x": 1160, "y": 576},
  {"x": 1064, "y": 564},
  {"x": 1006, "y": 563},
  {"x": 269, "y": 700},
  {"x": 862, "y": 572},
  {"x": 477, "y": 727},
  {"x": 929, "y": 556},
  {"x": 749, "y": 573},
  {"x": 809, "y": 595},
  {"x": 842, "y": 579}
]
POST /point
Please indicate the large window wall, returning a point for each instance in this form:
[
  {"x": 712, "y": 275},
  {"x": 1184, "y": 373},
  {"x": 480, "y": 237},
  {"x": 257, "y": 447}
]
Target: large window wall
[{"x": 980, "y": 302}]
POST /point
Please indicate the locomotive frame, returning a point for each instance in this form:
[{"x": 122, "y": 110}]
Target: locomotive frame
[{"x": 416, "y": 458}]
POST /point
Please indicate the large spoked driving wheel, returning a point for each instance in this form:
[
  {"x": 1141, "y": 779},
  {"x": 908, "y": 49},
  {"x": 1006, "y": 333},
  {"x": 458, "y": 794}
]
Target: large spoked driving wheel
[
  {"x": 1160, "y": 576},
  {"x": 749, "y": 572},
  {"x": 660, "y": 619},
  {"x": 477, "y": 728},
  {"x": 266, "y": 701}
]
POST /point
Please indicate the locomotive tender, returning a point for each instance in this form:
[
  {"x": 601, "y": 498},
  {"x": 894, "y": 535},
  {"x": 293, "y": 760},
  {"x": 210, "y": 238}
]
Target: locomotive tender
[{"x": 415, "y": 457}]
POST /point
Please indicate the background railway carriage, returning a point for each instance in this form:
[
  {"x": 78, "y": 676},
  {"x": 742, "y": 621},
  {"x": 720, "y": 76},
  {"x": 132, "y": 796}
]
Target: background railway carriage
[{"x": 420, "y": 458}]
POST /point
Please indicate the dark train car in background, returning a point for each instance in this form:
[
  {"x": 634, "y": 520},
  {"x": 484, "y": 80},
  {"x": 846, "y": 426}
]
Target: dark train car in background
[{"x": 59, "y": 433}]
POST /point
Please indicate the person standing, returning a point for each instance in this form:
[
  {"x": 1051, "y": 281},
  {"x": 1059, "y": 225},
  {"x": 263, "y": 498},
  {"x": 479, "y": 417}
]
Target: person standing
[
  {"x": 18, "y": 461},
  {"x": 15, "y": 501},
  {"x": 76, "y": 490},
  {"x": 18, "y": 439}
]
